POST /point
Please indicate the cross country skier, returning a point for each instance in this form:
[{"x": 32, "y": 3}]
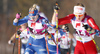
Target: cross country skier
[
  {"x": 85, "y": 44},
  {"x": 52, "y": 37},
  {"x": 37, "y": 24},
  {"x": 65, "y": 40},
  {"x": 24, "y": 35}
]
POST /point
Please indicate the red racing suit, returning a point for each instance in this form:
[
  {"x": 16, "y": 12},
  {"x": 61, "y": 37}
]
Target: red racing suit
[{"x": 84, "y": 45}]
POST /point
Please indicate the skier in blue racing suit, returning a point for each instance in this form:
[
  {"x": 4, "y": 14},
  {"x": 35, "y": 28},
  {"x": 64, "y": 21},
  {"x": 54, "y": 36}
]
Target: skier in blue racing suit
[{"x": 37, "y": 25}]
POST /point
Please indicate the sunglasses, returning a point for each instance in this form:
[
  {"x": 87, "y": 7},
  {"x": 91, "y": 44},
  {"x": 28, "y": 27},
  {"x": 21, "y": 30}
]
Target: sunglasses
[
  {"x": 79, "y": 15},
  {"x": 33, "y": 17}
]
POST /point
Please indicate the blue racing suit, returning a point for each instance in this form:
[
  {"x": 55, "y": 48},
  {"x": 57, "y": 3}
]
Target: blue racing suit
[{"x": 36, "y": 42}]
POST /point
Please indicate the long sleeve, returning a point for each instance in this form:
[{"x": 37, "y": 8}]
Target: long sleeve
[
  {"x": 65, "y": 20},
  {"x": 21, "y": 21},
  {"x": 92, "y": 23}
]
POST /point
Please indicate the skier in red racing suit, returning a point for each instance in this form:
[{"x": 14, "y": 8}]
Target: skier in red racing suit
[{"x": 78, "y": 19}]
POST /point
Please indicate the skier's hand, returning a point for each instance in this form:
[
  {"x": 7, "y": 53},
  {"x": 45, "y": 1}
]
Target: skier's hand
[
  {"x": 97, "y": 33},
  {"x": 18, "y": 15},
  {"x": 10, "y": 42},
  {"x": 66, "y": 28},
  {"x": 59, "y": 39},
  {"x": 86, "y": 27},
  {"x": 89, "y": 29},
  {"x": 30, "y": 29},
  {"x": 56, "y": 7},
  {"x": 18, "y": 32}
]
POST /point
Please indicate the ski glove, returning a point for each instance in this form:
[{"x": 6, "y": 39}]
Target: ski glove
[
  {"x": 66, "y": 28},
  {"x": 56, "y": 7},
  {"x": 87, "y": 27},
  {"x": 30, "y": 29},
  {"x": 10, "y": 42},
  {"x": 18, "y": 15},
  {"x": 18, "y": 32}
]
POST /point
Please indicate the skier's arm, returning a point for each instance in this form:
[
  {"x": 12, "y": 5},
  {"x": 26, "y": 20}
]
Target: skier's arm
[
  {"x": 17, "y": 22},
  {"x": 13, "y": 37},
  {"x": 92, "y": 23},
  {"x": 54, "y": 17},
  {"x": 45, "y": 21},
  {"x": 70, "y": 35},
  {"x": 64, "y": 20}
]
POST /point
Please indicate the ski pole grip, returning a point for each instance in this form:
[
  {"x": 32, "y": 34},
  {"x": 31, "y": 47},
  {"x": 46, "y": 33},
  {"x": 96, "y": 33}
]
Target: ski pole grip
[{"x": 56, "y": 7}]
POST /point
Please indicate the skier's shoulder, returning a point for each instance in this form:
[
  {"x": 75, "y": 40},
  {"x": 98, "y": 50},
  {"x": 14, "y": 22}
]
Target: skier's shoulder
[
  {"x": 44, "y": 19},
  {"x": 40, "y": 17},
  {"x": 71, "y": 15},
  {"x": 26, "y": 17},
  {"x": 87, "y": 16}
]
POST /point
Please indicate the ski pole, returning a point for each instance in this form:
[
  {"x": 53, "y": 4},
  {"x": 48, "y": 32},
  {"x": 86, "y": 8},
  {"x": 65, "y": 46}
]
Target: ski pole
[
  {"x": 46, "y": 41},
  {"x": 88, "y": 28},
  {"x": 54, "y": 41},
  {"x": 14, "y": 42},
  {"x": 18, "y": 15},
  {"x": 19, "y": 38},
  {"x": 56, "y": 7},
  {"x": 19, "y": 44},
  {"x": 95, "y": 42}
]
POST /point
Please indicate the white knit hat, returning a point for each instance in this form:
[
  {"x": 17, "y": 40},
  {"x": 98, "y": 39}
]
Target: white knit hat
[{"x": 79, "y": 9}]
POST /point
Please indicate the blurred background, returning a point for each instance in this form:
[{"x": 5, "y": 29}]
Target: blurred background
[{"x": 9, "y": 8}]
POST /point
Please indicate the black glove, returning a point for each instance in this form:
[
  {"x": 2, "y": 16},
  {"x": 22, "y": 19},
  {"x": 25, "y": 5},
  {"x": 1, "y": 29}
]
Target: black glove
[
  {"x": 87, "y": 27},
  {"x": 56, "y": 6},
  {"x": 30, "y": 29},
  {"x": 66, "y": 28},
  {"x": 18, "y": 32}
]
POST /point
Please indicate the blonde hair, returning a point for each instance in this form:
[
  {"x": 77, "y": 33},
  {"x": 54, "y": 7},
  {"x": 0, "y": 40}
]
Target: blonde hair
[
  {"x": 79, "y": 4},
  {"x": 33, "y": 7}
]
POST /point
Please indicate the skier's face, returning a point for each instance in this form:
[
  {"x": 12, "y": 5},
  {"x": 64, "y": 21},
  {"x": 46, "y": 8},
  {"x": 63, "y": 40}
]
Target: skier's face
[
  {"x": 24, "y": 25},
  {"x": 79, "y": 12},
  {"x": 79, "y": 16},
  {"x": 34, "y": 18}
]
